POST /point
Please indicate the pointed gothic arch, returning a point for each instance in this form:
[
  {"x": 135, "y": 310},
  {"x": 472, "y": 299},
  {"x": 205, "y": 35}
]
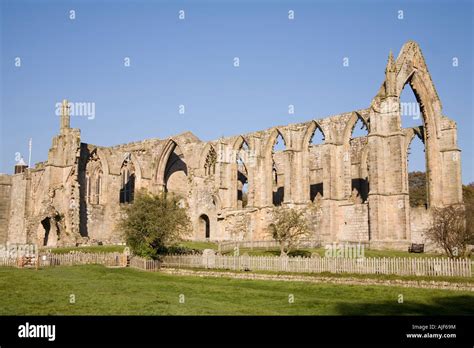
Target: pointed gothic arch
[
  {"x": 127, "y": 180},
  {"x": 313, "y": 162},
  {"x": 241, "y": 175},
  {"x": 168, "y": 148},
  {"x": 411, "y": 69},
  {"x": 209, "y": 160},
  {"x": 356, "y": 172},
  {"x": 416, "y": 181},
  {"x": 94, "y": 179},
  {"x": 275, "y": 186},
  {"x": 351, "y": 124},
  {"x": 173, "y": 170}
]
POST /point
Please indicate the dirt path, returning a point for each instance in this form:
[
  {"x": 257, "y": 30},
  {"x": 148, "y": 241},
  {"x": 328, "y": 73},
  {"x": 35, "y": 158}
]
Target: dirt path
[{"x": 327, "y": 280}]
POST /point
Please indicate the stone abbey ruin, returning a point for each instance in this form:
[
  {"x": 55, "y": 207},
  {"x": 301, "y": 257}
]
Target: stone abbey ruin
[{"x": 351, "y": 189}]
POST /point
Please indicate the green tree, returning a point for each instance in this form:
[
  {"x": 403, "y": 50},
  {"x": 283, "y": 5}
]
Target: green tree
[
  {"x": 153, "y": 223},
  {"x": 417, "y": 188},
  {"x": 288, "y": 227}
]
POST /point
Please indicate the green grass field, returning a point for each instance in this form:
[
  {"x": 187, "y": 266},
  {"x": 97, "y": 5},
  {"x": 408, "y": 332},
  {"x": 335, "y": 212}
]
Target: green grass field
[{"x": 100, "y": 290}]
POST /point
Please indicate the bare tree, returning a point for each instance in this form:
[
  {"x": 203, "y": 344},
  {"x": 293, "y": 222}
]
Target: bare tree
[
  {"x": 449, "y": 230},
  {"x": 288, "y": 227}
]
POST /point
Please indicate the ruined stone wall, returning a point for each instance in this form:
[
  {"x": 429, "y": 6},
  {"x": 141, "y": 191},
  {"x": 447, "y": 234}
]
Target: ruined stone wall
[
  {"x": 5, "y": 198},
  {"x": 16, "y": 226},
  {"x": 350, "y": 188},
  {"x": 355, "y": 223}
]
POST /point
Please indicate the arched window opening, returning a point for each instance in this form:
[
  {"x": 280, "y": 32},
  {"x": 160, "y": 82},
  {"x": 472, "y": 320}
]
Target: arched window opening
[
  {"x": 242, "y": 175},
  {"x": 176, "y": 173},
  {"x": 98, "y": 186},
  {"x": 204, "y": 227},
  {"x": 210, "y": 164},
  {"x": 416, "y": 166},
  {"x": 358, "y": 165},
  {"x": 93, "y": 179},
  {"x": 315, "y": 150},
  {"x": 278, "y": 170},
  {"x": 278, "y": 185},
  {"x": 317, "y": 138},
  {"x": 360, "y": 129},
  {"x": 127, "y": 177},
  {"x": 410, "y": 111}
]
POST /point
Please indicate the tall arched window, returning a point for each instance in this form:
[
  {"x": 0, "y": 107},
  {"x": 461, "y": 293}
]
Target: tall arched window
[
  {"x": 127, "y": 181},
  {"x": 410, "y": 110},
  {"x": 98, "y": 186},
  {"x": 210, "y": 164},
  {"x": 94, "y": 179},
  {"x": 278, "y": 170},
  {"x": 176, "y": 173},
  {"x": 315, "y": 163},
  {"x": 242, "y": 158},
  {"x": 416, "y": 168},
  {"x": 358, "y": 164}
]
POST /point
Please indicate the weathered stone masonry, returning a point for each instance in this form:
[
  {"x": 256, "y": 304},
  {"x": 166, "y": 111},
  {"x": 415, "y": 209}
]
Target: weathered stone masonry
[{"x": 352, "y": 189}]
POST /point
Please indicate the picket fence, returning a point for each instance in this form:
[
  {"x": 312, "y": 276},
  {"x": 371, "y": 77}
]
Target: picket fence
[
  {"x": 399, "y": 266},
  {"x": 144, "y": 264},
  {"x": 114, "y": 259},
  {"x": 107, "y": 259}
]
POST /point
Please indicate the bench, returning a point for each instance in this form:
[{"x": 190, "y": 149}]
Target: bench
[{"x": 416, "y": 248}]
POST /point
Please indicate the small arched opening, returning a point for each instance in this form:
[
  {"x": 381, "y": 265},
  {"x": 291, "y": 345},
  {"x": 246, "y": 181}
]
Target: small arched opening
[{"x": 204, "y": 226}]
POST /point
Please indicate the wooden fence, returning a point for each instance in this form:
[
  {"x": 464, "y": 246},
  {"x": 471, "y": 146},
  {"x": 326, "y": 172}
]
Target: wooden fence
[
  {"x": 114, "y": 259},
  {"x": 8, "y": 262},
  {"x": 144, "y": 264},
  {"x": 107, "y": 259},
  {"x": 399, "y": 266},
  {"x": 50, "y": 260},
  {"x": 264, "y": 244}
]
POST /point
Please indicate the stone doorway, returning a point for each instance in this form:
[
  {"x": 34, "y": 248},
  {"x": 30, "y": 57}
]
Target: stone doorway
[{"x": 204, "y": 226}]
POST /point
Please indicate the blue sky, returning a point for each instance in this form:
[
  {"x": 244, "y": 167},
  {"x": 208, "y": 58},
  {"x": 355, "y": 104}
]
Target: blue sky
[{"x": 190, "y": 62}]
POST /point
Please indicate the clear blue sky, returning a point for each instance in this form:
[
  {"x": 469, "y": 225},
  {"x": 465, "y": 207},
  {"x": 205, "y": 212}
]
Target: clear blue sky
[{"x": 190, "y": 62}]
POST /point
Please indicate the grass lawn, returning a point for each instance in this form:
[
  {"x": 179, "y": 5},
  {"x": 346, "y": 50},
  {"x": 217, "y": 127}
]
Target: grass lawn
[
  {"x": 199, "y": 245},
  {"x": 100, "y": 290}
]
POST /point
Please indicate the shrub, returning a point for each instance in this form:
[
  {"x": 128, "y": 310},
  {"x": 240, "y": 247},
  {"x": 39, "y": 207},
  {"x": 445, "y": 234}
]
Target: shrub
[
  {"x": 449, "y": 230},
  {"x": 153, "y": 223},
  {"x": 288, "y": 227}
]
